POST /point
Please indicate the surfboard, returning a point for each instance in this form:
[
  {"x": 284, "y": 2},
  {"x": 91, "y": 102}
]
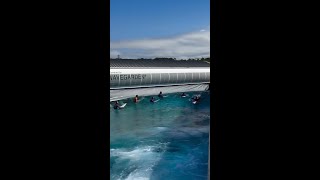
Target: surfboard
[
  {"x": 156, "y": 100},
  {"x": 123, "y": 105},
  {"x": 194, "y": 102}
]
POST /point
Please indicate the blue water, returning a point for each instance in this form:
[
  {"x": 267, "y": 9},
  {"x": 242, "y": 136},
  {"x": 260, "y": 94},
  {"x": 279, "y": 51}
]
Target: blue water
[{"x": 164, "y": 140}]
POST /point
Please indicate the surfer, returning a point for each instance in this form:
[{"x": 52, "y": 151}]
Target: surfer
[
  {"x": 195, "y": 99},
  {"x": 152, "y": 99},
  {"x": 116, "y": 105},
  {"x": 160, "y": 95},
  {"x": 136, "y": 99},
  {"x": 183, "y": 95}
]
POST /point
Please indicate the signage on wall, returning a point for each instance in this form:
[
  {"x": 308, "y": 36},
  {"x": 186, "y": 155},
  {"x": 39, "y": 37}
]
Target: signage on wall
[{"x": 127, "y": 76}]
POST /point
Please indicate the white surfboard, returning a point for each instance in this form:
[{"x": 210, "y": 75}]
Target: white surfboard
[
  {"x": 156, "y": 100},
  {"x": 123, "y": 105}
]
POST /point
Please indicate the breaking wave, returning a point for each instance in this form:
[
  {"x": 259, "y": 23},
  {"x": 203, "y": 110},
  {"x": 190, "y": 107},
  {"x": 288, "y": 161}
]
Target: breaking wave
[{"x": 140, "y": 161}]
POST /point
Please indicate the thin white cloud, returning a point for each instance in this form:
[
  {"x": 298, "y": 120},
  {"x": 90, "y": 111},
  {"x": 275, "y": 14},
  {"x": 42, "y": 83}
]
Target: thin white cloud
[{"x": 190, "y": 45}]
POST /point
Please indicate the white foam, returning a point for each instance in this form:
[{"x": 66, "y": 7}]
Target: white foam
[
  {"x": 138, "y": 175},
  {"x": 161, "y": 128},
  {"x": 144, "y": 158}
]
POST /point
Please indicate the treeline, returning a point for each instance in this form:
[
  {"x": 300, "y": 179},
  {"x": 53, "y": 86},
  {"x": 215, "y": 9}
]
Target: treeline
[{"x": 190, "y": 59}]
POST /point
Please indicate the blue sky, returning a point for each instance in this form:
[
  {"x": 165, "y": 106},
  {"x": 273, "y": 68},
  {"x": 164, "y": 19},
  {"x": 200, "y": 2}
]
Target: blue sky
[{"x": 153, "y": 28}]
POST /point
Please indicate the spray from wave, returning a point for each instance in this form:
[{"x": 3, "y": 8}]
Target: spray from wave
[{"x": 140, "y": 161}]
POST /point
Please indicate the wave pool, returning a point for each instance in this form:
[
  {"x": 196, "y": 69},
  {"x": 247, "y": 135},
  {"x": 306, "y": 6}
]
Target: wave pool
[{"x": 164, "y": 140}]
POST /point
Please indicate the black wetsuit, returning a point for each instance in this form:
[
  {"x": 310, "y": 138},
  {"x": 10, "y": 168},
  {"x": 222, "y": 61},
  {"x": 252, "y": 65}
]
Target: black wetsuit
[
  {"x": 196, "y": 99},
  {"x": 116, "y": 106}
]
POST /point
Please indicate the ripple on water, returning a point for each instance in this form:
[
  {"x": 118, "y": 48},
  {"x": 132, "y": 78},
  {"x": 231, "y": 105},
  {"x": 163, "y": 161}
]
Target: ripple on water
[{"x": 166, "y": 139}]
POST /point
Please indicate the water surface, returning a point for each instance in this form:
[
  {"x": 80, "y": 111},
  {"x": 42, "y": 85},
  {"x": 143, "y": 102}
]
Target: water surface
[{"x": 164, "y": 140}]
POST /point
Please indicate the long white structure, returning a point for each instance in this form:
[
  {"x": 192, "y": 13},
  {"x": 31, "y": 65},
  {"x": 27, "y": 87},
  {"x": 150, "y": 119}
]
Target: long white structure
[
  {"x": 127, "y": 82},
  {"x": 138, "y": 78}
]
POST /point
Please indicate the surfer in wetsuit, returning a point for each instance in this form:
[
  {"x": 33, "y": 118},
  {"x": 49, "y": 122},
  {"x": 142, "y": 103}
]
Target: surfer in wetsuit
[
  {"x": 196, "y": 98},
  {"x": 116, "y": 105},
  {"x": 183, "y": 95},
  {"x": 136, "y": 99},
  {"x": 160, "y": 95},
  {"x": 152, "y": 99}
]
